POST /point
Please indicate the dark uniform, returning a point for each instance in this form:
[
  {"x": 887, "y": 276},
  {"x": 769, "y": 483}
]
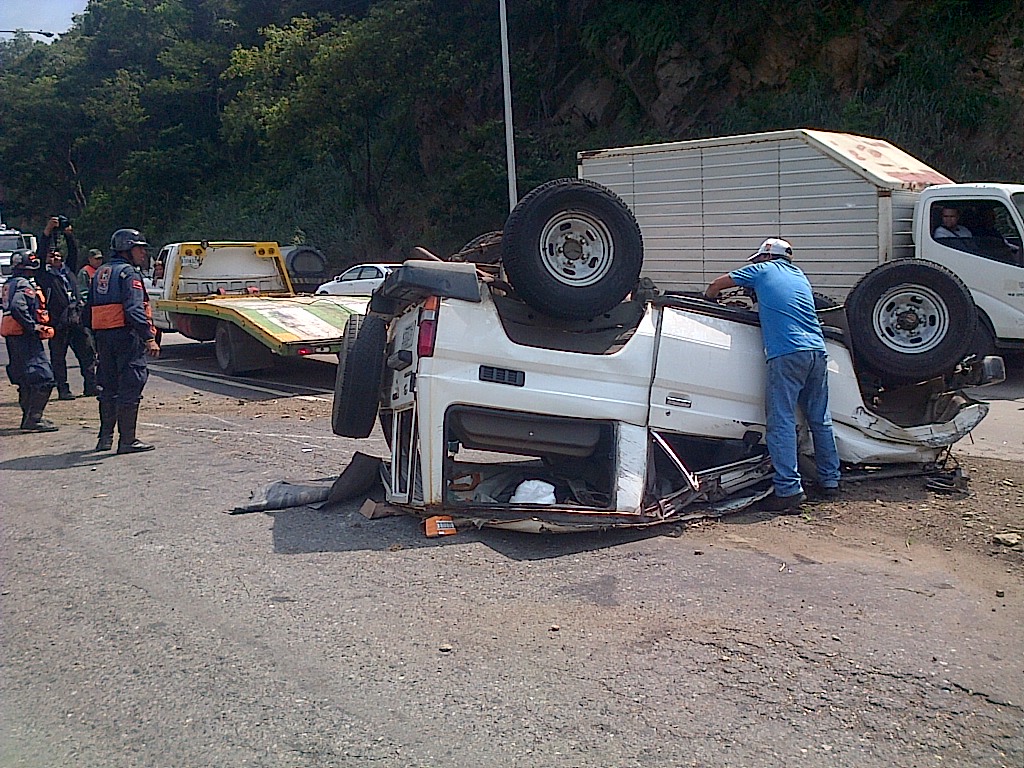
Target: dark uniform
[
  {"x": 120, "y": 318},
  {"x": 65, "y": 303},
  {"x": 24, "y": 326}
]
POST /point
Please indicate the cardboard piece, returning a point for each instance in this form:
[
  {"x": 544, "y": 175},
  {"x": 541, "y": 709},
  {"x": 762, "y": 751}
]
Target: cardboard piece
[{"x": 373, "y": 510}]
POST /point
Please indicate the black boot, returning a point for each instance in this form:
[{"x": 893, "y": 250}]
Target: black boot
[
  {"x": 36, "y": 405},
  {"x": 64, "y": 392},
  {"x": 108, "y": 419},
  {"x": 127, "y": 418},
  {"x": 89, "y": 379},
  {"x": 24, "y": 396}
]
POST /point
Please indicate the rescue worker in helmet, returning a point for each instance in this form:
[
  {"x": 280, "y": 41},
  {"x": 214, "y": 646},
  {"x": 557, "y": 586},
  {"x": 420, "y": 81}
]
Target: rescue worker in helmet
[
  {"x": 24, "y": 325},
  {"x": 121, "y": 321}
]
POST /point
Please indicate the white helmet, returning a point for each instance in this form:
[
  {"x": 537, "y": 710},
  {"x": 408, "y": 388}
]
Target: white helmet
[{"x": 775, "y": 248}]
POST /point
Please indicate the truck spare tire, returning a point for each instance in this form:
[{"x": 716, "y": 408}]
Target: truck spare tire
[
  {"x": 572, "y": 249},
  {"x": 910, "y": 320},
  {"x": 356, "y": 402}
]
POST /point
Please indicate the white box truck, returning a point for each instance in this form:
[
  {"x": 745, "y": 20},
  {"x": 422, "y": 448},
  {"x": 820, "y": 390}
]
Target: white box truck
[{"x": 847, "y": 203}]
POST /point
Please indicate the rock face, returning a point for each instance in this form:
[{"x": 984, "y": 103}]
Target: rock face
[{"x": 728, "y": 57}]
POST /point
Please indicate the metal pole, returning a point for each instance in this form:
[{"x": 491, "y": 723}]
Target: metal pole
[{"x": 510, "y": 149}]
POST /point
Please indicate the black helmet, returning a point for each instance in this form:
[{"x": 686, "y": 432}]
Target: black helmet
[
  {"x": 126, "y": 239},
  {"x": 24, "y": 258}
]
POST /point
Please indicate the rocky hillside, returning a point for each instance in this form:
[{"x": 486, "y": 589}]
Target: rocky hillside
[{"x": 944, "y": 80}]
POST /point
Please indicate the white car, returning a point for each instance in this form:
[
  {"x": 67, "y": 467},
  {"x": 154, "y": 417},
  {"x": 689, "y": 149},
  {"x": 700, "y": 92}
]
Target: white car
[
  {"x": 634, "y": 412},
  {"x": 360, "y": 280}
]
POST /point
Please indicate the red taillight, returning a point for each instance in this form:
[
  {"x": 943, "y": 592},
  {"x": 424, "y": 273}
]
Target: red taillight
[
  {"x": 428, "y": 327},
  {"x": 303, "y": 351}
]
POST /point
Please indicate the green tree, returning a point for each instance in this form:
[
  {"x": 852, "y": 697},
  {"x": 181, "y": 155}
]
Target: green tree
[{"x": 343, "y": 89}]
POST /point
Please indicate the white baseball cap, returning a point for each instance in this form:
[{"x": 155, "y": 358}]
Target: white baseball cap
[{"x": 774, "y": 247}]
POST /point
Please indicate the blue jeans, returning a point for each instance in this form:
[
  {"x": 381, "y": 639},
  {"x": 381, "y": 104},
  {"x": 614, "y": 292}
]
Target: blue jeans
[{"x": 799, "y": 378}]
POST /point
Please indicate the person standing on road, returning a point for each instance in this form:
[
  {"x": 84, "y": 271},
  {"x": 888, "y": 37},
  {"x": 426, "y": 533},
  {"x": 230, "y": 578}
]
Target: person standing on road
[
  {"x": 60, "y": 287},
  {"x": 121, "y": 320},
  {"x": 797, "y": 370},
  {"x": 84, "y": 277},
  {"x": 24, "y": 325},
  {"x": 84, "y": 280}
]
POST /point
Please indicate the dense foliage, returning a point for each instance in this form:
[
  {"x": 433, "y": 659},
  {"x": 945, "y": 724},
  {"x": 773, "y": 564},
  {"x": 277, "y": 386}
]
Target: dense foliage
[{"x": 367, "y": 127}]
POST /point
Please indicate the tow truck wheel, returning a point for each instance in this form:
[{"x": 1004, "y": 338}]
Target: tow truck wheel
[
  {"x": 572, "y": 249},
  {"x": 355, "y": 405},
  {"x": 239, "y": 353},
  {"x": 911, "y": 320}
]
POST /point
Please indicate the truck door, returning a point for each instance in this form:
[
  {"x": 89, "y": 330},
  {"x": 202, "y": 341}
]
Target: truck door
[
  {"x": 402, "y": 408},
  {"x": 155, "y": 290},
  {"x": 979, "y": 239},
  {"x": 709, "y": 374}
]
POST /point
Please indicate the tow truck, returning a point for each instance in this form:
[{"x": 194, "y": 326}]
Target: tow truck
[{"x": 239, "y": 295}]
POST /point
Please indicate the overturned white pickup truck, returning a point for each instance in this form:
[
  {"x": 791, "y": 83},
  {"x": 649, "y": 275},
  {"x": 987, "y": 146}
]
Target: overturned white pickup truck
[{"x": 628, "y": 412}]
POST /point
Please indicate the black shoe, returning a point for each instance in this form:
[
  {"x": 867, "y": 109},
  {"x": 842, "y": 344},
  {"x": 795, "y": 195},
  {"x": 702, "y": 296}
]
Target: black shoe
[
  {"x": 34, "y": 421},
  {"x": 65, "y": 394},
  {"x": 828, "y": 492},
  {"x": 127, "y": 418},
  {"x": 108, "y": 420},
  {"x": 784, "y": 505},
  {"x": 136, "y": 446},
  {"x": 40, "y": 425}
]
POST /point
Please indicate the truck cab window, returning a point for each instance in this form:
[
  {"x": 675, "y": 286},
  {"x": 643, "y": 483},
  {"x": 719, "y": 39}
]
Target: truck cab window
[{"x": 984, "y": 228}]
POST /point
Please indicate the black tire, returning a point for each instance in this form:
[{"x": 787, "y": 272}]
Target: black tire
[
  {"x": 821, "y": 301},
  {"x": 910, "y": 320},
  {"x": 572, "y": 249},
  {"x": 984, "y": 339},
  {"x": 348, "y": 340},
  {"x": 483, "y": 249},
  {"x": 355, "y": 406},
  {"x": 237, "y": 352}
]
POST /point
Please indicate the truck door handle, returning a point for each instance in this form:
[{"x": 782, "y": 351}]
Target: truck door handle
[{"x": 682, "y": 401}]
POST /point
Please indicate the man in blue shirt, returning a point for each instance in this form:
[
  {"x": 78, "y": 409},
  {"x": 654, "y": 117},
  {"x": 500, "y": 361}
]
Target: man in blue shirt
[{"x": 794, "y": 347}]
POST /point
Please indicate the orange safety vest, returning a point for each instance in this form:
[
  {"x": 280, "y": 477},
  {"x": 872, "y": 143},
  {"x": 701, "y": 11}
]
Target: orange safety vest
[
  {"x": 107, "y": 316},
  {"x": 11, "y": 327}
]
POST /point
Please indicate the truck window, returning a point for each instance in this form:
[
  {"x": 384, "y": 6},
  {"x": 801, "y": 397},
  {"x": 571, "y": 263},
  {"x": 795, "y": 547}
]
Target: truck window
[{"x": 984, "y": 228}]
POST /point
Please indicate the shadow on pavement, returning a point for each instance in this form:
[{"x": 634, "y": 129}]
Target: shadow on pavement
[
  {"x": 340, "y": 528},
  {"x": 67, "y": 460}
]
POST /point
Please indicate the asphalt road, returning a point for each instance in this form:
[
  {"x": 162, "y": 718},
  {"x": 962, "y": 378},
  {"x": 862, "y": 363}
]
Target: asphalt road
[
  {"x": 1001, "y": 434},
  {"x": 143, "y": 626}
]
